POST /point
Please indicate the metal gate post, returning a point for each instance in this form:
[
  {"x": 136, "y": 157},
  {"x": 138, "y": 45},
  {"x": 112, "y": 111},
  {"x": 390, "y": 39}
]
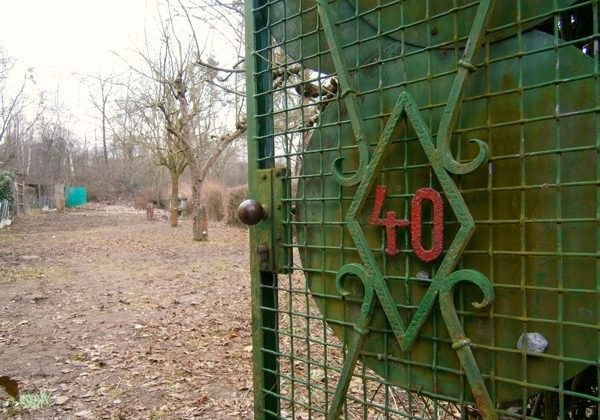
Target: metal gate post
[{"x": 260, "y": 153}]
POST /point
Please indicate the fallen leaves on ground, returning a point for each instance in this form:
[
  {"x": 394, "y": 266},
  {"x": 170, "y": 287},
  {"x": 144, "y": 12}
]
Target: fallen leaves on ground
[{"x": 119, "y": 317}]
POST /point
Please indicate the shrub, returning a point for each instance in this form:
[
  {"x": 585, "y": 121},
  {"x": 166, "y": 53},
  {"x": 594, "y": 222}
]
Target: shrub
[
  {"x": 236, "y": 196},
  {"x": 7, "y": 186},
  {"x": 213, "y": 199}
]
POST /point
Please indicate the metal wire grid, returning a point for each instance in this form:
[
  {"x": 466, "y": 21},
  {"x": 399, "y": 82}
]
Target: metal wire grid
[{"x": 528, "y": 203}]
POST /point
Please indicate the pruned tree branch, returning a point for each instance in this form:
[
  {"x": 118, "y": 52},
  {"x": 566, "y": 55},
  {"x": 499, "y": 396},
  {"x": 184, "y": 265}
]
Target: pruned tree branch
[{"x": 224, "y": 141}]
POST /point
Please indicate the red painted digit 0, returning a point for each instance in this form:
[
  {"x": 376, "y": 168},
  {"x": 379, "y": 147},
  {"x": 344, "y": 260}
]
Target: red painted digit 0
[{"x": 416, "y": 227}]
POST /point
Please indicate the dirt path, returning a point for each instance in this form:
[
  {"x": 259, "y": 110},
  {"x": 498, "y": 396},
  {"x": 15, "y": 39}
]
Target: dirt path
[{"x": 118, "y": 317}]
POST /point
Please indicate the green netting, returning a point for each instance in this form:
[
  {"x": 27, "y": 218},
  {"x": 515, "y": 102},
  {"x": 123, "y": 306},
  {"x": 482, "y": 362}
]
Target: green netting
[
  {"x": 75, "y": 196},
  {"x": 494, "y": 108}
]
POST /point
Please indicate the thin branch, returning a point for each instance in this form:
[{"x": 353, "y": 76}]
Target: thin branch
[
  {"x": 8, "y": 115},
  {"x": 226, "y": 139},
  {"x": 187, "y": 16},
  {"x": 225, "y": 88},
  {"x": 217, "y": 68}
]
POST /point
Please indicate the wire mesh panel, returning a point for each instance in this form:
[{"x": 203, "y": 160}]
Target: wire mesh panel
[{"x": 429, "y": 242}]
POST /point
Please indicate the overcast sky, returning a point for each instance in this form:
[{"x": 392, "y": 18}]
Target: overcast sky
[
  {"x": 64, "y": 40},
  {"x": 62, "y": 36}
]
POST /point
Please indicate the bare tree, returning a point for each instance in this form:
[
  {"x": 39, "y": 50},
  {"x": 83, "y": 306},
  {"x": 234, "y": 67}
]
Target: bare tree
[
  {"x": 14, "y": 123},
  {"x": 100, "y": 101},
  {"x": 187, "y": 101},
  {"x": 200, "y": 158},
  {"x": 52, "y": 153},
  {"x": 15, "y": 152},
  {"x": 150, "y": 132}
]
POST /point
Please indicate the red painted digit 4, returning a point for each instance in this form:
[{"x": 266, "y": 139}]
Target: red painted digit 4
[
  {"x": 416, "y": 224},
  {"x": 390, "y": 222}
]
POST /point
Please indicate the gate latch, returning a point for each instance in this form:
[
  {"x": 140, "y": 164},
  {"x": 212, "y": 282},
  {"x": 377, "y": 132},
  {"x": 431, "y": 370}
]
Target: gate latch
[{"x": 268, "y": 214}]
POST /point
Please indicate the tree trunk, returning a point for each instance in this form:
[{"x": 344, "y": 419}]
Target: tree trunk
[
  {"x": 158, "y": 199},
  {"x": 174, "y": 197},
  {"x": 199, "y": 215},
  {"x": 104, "y": 133}
]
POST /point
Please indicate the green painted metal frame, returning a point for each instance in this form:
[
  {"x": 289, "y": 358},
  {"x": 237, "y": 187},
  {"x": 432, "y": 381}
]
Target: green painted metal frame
[
  {"x": 265, "y": 340},
  {"x": 438, "y": 151}
]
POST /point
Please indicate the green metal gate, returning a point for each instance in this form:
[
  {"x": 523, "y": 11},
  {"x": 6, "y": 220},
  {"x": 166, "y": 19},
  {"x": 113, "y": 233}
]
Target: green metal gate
[{"x": 425, "y": 201}]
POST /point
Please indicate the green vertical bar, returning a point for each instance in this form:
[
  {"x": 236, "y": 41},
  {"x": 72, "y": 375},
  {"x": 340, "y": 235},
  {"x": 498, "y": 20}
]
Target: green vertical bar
[
  {"x": 596, "y": 32},
  {"x": 260, "y": 156}
]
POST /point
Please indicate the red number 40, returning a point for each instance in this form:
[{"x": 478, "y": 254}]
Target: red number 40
[{"x": 416, "y": 224}]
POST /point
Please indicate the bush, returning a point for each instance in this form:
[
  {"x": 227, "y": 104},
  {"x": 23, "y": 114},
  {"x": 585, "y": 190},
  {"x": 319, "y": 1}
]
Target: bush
[
  {"x": 213, "y": 198},
  {"x": 7, "y": 186},
  {"x": 236, "y": 196}
]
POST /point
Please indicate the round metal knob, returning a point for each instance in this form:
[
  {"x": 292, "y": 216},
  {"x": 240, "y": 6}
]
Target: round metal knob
[{"x": 250, "y": 212}]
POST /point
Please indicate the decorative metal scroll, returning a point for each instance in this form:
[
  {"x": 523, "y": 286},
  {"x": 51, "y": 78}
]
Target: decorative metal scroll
[{"x": 442, "y": 163}]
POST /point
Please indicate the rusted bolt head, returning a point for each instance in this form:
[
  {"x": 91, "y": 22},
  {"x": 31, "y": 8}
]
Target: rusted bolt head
[{"x": 250, "y": 212}]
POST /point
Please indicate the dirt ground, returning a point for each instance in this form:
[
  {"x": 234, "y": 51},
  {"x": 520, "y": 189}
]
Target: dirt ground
[{"x": 118, "y": 317}]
